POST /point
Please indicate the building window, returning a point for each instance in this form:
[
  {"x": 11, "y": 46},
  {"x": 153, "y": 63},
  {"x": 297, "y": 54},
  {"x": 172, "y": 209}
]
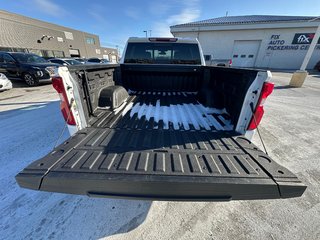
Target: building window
[
  {"x": 90, "y": 40},
  {"x": 19, "y": 50},
  {"x": 58, "y": 54},
  {"x": 48, "y": 53},
  {"x": 68, "y": 35},
  {"x": 235, "y": 56},
  {"x": 36, "y": 51},
  {"x": 243, "y": 56},
  {"x": 9, "y": 49},
  {"x": 105, "y": 57},
  {"x": 250, "y": 56},
  {"x": 5, "y": 49}
]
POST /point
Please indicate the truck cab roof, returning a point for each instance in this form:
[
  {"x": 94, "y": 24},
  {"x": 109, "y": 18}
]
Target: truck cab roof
[{"x": 163, "y": 39}]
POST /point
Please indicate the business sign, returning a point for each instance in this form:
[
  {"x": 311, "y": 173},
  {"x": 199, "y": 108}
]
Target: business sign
[
  {"x": 303, "y": 38},
  {"x": 301, "y": 41}
]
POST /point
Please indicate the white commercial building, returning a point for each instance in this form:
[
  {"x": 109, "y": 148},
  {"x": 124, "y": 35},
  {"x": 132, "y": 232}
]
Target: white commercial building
[{"x": 261, "y": 41}]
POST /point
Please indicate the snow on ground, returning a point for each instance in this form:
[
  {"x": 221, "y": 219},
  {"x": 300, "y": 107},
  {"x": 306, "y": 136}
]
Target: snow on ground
[{"x": 26, "y": 135}]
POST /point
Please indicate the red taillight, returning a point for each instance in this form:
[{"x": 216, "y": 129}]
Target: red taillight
[
  {"x": 57, "y": 83},
  {"x": 230, "y": 62},
  {"x": 258, "y": 113}
]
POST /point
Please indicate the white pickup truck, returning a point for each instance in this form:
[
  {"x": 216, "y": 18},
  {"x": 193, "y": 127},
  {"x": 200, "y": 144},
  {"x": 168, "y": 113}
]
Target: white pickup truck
[{"x": 162, "y": 125}]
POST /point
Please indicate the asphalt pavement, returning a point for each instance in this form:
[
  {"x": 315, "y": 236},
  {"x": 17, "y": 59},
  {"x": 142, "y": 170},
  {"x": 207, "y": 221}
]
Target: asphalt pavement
[{"x": 30, "y": 122}]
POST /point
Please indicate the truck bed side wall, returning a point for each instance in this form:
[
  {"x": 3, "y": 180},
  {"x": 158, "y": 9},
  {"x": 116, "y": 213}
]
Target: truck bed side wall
[
  {"x": 229, "y": 87},
  {"x": 91, "y": 80}
]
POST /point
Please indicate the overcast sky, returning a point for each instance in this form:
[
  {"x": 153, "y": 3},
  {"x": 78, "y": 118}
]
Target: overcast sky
[{"x": 115, "y": 21}]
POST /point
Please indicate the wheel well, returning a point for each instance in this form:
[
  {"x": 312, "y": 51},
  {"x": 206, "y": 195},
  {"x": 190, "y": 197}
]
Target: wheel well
[{"x": 32, "y": 74}]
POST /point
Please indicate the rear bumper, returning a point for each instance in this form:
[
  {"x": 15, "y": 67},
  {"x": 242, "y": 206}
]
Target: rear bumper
[{"x": 5, "y": 86}]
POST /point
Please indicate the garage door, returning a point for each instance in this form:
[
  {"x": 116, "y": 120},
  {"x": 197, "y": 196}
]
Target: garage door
[{"x": 245, "y": 53}]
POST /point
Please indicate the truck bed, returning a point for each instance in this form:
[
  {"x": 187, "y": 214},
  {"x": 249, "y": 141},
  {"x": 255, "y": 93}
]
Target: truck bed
[
  {"x": 163, "y": 111},
  {"x": 163, "y": 146}
]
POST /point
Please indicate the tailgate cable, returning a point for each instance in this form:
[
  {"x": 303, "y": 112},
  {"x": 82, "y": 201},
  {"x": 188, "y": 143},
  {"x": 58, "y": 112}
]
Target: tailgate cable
[
  {"x": 255, "y": 122},
  {"x": 85, "y": 85},
  {"x": 65, "y": 123}
]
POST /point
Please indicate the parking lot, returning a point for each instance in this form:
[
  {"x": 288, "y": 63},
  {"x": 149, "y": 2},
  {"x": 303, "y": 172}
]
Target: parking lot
[{"x": 31, "y": 122}]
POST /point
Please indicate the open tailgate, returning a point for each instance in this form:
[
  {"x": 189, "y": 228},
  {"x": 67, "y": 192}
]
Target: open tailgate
[{"x": 161, "y": 165}]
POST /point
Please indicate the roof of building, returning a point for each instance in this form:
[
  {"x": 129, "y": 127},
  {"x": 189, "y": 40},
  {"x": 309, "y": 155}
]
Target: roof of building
[
  {"x": 36, "y": 22},
  {"x": 248, "y": 19}
]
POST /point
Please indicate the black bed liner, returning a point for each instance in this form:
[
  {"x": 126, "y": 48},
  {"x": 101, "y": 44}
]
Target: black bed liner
[
  {"x": 118, "y": 159},
  {"x": 105, "y": 118}
]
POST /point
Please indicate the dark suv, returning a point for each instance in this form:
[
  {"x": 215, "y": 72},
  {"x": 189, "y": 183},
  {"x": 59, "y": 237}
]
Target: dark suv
[
  {"x": 26, "y": 66},
  {"x": 97, "y": 60}
]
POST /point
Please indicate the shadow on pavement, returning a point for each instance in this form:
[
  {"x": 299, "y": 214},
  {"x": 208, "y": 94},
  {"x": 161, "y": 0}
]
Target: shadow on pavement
[
  {"x": 315, "y": 75},
  {"x": 101, "y": 217},
  {"x": 283, "y": 87}
]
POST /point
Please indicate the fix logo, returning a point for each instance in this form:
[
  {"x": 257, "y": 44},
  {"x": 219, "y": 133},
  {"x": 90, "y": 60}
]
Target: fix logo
[{"x": 303, "y": 38}]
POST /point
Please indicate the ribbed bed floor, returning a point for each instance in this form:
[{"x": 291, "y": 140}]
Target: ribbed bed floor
[{"x": 160, "y": 110}]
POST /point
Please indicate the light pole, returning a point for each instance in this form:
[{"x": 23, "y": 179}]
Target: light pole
[
  {"x": 299, "y": 76},
  {"x": 118, "y": 52},
  {"x": 146, "y": 33},
  {"x": 150, "y": 33},
  {"x": 311, "y": 49}
]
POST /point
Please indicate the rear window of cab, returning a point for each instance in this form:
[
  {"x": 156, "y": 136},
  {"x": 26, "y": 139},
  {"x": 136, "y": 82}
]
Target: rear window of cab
[{"x": 163, "y": 53}]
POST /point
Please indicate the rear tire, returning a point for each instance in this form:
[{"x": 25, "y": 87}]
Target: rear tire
[{"x": 30, "y": 80}]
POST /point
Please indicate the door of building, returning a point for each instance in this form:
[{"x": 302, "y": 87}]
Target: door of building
[
  {"x": 74, "y": 52},
  {"x": 245, "y": 53},
  {"x": 113, "y": 58}
]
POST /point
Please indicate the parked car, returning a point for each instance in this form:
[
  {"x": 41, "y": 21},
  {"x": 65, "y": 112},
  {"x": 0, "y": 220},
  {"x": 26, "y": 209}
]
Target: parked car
[
  {"x": 65, "y": 61},
  {"x": 97, "y": 60},
  {"x": 219, "y": 62},
  {"x": 162, "y": 126},
  {"x": 5, "y": 83},
  {"x": 29, "y": 67},
  {"x": 82, "y": 60}
]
